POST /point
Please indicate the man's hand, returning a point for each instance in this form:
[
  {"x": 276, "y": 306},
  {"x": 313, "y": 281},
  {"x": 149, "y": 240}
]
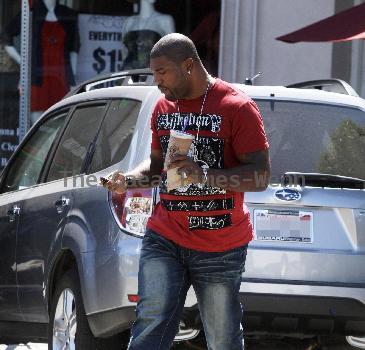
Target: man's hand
[
  {"x": 187, "y": 168},
  {"x": 116, "y": 182}
]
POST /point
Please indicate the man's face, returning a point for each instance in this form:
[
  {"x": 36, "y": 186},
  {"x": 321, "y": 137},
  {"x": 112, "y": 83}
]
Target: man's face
[{"x": 170, "y": 77}]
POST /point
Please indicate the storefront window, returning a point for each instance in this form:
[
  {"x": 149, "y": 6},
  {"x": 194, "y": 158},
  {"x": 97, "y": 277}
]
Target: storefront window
[
  {"x": 9, "y": 79},
  {"x": 120, "y": 34},
  {"x": 75, "y": 40}
]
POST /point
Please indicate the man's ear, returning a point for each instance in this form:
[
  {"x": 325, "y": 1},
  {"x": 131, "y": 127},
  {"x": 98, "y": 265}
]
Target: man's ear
[{"x": 188, "y": 65}]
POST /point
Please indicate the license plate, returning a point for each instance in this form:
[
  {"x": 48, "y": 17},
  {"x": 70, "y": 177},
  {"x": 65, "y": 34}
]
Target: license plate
[{"x": 283, "y": 225}]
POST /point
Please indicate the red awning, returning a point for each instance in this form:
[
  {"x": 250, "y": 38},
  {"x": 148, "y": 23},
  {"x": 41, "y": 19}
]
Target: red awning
[{"x": 343, "y": 26}]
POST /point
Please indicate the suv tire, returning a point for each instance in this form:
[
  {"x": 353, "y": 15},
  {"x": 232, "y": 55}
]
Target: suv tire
[
  {"x": 72, "y": 323},
  {"x": 68, "y": 322}
]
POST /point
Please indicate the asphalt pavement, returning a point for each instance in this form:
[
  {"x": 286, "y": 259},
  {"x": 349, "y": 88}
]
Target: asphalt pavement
[
  {"x": 263, "y": 343},
  {"x": 274, "y": 343}
]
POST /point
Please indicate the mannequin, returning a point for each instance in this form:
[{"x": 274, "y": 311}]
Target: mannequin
[
  {"x": 142, "y": 31},
  {"x": 206, "y": 38},
  {"x": 54, "y": 53}
]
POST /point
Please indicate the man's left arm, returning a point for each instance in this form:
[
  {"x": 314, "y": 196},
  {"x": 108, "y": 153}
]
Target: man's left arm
[{"x": 252, "y": 175}]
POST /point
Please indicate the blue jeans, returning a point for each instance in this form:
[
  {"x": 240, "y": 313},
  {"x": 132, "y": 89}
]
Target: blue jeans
[{"x": 166, "y": 272}]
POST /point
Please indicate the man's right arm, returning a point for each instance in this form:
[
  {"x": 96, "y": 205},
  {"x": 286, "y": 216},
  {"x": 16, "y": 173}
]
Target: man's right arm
[{"x": 146, "y": 174}]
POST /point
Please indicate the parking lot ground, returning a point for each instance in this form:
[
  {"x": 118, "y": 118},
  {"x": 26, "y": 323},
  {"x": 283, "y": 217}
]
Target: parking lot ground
[
  {"x": 262, "y": 343},
  {"x": 274, "y": 343}
]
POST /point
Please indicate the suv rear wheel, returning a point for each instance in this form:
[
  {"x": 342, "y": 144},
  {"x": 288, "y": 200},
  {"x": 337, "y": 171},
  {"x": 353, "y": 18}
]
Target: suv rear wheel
[{"x": 69, "y": 328}]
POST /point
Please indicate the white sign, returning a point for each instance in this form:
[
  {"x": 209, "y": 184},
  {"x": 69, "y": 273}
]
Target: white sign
[{"x": 101, "y": 46}]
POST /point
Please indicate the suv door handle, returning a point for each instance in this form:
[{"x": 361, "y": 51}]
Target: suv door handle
[
  {"x": 14, "y": 210},
  {"x": 61, "y": 203}
]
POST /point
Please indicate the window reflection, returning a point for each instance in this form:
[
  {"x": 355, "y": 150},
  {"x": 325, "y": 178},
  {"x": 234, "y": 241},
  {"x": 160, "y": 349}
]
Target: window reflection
[
  {"x": 55, "y": 44},
  {"x": 346, "y": 147},
  {"x": 142, "y": 31},
  {"x": 26, "y": 168},
  {"x": 312, "y": 138},
  {"x": 9, "y": 79}
]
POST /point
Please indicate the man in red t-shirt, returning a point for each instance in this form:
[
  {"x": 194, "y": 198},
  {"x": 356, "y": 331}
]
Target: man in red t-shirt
[{"x": 198, "y": 232}]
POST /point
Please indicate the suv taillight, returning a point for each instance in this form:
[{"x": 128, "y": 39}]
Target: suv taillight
[{"x": 132, "y": 209}]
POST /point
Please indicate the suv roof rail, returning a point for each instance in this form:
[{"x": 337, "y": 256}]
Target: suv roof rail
[
  {"x": 124, "y": 78},
  {"x": 331, "y": 85}
]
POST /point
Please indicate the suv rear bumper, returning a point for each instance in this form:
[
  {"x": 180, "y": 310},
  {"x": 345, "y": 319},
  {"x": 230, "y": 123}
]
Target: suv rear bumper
[
  {"x": 296, "y": 310},
  {"x": 294, "y": 314},
  {"x": 286, "y": 308}
]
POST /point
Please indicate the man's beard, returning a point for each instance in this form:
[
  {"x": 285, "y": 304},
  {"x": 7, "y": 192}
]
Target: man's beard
[{"x": 169, "y": 94}]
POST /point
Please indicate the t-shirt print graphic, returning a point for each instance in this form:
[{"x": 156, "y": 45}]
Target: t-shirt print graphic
[
  {"x": 189, "y": 122},
  {"x": 207, "y": 151}
]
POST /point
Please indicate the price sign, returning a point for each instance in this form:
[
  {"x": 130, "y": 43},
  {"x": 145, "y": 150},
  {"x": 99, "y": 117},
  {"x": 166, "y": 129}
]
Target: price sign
[
  {"x": 107, "y": 61},
  {"x": 101, "y": 46}
]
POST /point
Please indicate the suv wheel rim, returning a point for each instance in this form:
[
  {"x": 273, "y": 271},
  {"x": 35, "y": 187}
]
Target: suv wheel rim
[{"x": 64, "y": 324}]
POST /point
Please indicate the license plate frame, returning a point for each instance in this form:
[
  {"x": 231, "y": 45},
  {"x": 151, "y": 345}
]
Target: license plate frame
[{"x": 283, "y": 225}]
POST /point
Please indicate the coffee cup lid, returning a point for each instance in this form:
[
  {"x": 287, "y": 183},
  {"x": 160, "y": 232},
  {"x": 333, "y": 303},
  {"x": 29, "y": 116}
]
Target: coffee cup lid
[{"x": 181, "y": 135}]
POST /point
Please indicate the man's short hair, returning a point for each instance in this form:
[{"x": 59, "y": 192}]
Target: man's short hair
[{"x": 176, "y": 47}]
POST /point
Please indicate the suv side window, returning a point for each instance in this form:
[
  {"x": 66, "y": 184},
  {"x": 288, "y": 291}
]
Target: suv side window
[
  {"x": 27, "y": 166},
  {"x": 115, "y": 134},
  {"x": 75, "y": 142}
]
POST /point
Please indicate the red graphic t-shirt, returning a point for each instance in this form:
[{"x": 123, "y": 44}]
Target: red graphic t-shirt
[{"x": 197, "y": 216}]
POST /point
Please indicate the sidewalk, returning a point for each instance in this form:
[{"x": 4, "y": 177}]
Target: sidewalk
[{"x": 29, "y": 346}]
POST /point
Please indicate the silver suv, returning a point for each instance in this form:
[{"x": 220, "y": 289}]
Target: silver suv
[{"x": 69, "y": 249}]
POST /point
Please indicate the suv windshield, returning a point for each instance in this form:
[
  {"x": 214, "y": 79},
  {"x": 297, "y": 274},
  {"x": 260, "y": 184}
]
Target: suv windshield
[{"x": 314, "y": 138}]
